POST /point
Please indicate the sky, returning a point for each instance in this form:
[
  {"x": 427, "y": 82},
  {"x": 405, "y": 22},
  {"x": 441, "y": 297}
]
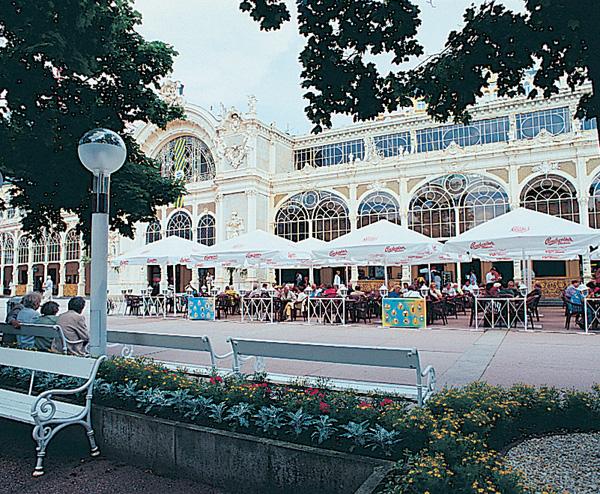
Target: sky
[{"x": 224, "y": 57}]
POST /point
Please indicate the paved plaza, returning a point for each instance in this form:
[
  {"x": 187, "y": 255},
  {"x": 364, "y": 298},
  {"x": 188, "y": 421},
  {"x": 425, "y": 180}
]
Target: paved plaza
[{"x": 458, "y": 355}]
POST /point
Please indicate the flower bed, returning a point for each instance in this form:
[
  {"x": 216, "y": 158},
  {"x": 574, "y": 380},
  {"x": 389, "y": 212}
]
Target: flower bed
[{"x": 450, "y": 445}]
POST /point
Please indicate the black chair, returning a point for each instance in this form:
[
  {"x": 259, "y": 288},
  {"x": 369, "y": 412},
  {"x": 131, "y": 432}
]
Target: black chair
[
  {"x": 572, "y": 309},
  {"x": 362, "y": 311}
]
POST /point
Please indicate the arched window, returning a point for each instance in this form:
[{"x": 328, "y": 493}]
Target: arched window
[
  {"x": 39, "y": 249},
  {"x": 23, "y": 251},
  {"x": 330, "y": 219},
  {"x": 207, "y": 234},
  {"x": 9, "y": 249},
  {"x": 291, "y": 222},
  {"x": 456, "y": 202},
  {"x": 553, "y": 195},
  {"x": 314, "y": 213},
  {"x": 153, "y": 233},
  {"x": 187, "y": 158},
  {"x": 594, "y": 204},
  {"x": 481, "y": 203},
  {"x": 378, "y": 206},
  {"x": 53, "y": 247},
  {"x": 180, "y": 225},
  {"x": 72, "y": 246}
]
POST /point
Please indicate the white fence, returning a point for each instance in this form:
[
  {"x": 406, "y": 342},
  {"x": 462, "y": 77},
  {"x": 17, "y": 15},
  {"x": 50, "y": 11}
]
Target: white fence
[
  {"x": 327, "y": 310},
  {"x": 257, "y": 309},
  {"x": 506, "y": 313}
]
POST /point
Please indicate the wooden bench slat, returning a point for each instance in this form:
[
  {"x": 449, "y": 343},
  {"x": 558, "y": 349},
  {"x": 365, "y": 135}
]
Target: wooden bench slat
[
  {"x": 17, "y": 406},
  {"x": 47, "y": 362}
]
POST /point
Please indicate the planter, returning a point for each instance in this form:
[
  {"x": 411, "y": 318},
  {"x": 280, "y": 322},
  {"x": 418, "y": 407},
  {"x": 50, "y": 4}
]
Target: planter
[{"x": 231, "y": 460}]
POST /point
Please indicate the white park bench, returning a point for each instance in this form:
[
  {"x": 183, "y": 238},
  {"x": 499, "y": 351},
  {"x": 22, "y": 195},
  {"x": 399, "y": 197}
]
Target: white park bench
[
  {"x": 397, "y": 358},
  {"x": 166, "y": 341},
  {"x": 37, "y": 330},
  {"x": 47, "y": 415}
]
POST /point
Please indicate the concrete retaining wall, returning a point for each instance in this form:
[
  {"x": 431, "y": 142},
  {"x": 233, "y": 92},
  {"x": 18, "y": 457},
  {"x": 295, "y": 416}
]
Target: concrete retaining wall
[{"x": 232, "y": 461}]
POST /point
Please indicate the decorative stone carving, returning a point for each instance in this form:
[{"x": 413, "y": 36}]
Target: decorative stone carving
[
  {"x": 171, "y": 92},
  {"x": 372, "y": 154},
  {"x": 377, "y": 185},
  {"x": 113, "y": 244},
  {"x": 232, "y": 140},
  {"x": 235, "y": 225},
  {"x": 546, "y": 167},
  {"x": 544, "y": 136},
  {"x": 252, "y": 105},
  {"x": 454, "y": 149},
  {"x": 453, "y": 167}
]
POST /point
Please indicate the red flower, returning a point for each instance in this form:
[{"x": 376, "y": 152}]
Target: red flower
[
  {"x": 216, "y": 379},
  {"x": 312, "y": 391},
  {"x": 386, "y": 402},
  {"x": 363, "y": 404},
  {"x": 324, "y": 407}
]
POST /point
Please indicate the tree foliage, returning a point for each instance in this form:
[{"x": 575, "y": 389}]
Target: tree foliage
[
  {"x": 68, "y": 67},
  {"x": 557, "y": 38}
]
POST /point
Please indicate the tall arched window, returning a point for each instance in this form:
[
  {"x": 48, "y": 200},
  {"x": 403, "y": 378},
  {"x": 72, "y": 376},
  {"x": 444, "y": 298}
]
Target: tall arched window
[
  {"x": 180, "y": 225},
  {"x": 9, "y": 249},
  {"x": 553, "y": 195},
  {"x": 594, "y": 204},
  {"x": 153, "y": 233},
  {"x": 378, "y": 206},
  {"x": 292, "y": 221},
  {"x": 314, "y": 213},
  {"x": 53, "y": 247},
  {"x": 330, "y": 219},
  {"x": 187, "y": 158},
  {"x": 23, "y": 250},
  {"x": 39, "y": 250},
  {"x": 72, "y": 246},
  {"x": 207, "y": 234},
  {"x": 455, "y": 203}
]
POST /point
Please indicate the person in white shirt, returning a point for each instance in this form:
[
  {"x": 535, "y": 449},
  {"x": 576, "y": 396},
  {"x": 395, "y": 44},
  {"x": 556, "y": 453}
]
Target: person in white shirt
[
  {"x": 48, "y": 288},
  {"x": 337, "y": 281}
]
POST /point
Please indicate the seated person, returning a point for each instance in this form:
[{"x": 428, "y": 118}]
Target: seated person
[
  {"x": 11, "y": 318},
  {"x": 357, "y": 292},
  {"x": 493, "y": 291},
  {"x": 330, "y": 291},
  {"x": 27, "y": 315},
  {"x": 434, "y": 292},
  {"x": 412, "y": 292},
  {"x": 288, "y": 297},
  {"x": 510, "y": 290},
  {"x": 467, "y": 286},
  {"x": 449, "y": 290},
  {"x": 49, "y": 317},
  {"x": 536, "y": 292},
  {"x": 74, "y": 328},
  {"x": 571, "y": 289},
  {"x": 396, "y": 292}
]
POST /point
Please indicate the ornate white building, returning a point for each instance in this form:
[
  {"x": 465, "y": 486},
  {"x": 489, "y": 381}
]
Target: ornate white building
[{"x": 243, "y": 174}]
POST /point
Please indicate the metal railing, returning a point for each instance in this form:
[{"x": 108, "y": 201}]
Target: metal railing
[
  {"x": 327, "y": 310},
  {"x": 257, "y": 309},
  {"x": 493, "y": 313}
]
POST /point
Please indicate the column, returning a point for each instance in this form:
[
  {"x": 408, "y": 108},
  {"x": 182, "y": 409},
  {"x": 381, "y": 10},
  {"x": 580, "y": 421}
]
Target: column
[
  {"x": 15, "y": 277},
  {"x": 81, "y": 285},
  {"x": 62, "y": 271},
  {"x": 30, "y": 268},
  {"x": 584, "y": 219},
  {"x": 353, "y": 206},
  {"x": 251, "y": 202},
  {"x": 518, "y": 275},
  {"x": 403, "y": 201},
  {"x": 221, "y": 275}
]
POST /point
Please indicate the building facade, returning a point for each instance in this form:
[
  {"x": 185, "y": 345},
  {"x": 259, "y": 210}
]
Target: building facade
[{"x": 242, "y": 175}]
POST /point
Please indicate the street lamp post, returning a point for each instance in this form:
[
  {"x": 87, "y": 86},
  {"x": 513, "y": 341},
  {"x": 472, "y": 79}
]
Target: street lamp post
[{"x": 102, "y": 152}]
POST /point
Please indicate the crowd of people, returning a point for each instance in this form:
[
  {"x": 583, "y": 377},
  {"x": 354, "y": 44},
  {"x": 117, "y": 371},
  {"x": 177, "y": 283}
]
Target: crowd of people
[{"x": 30, "y": 310}]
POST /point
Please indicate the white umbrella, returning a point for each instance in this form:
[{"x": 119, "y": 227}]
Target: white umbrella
[
  {"x": 524, "y": 233},
  {"x": 253, "y": 249},
  {"x": 169, "y": 250},
  {"x": 381, "y": 243}
]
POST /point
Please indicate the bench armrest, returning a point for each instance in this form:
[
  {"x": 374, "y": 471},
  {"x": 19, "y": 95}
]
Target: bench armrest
[{"x": 429, "y": 373}]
